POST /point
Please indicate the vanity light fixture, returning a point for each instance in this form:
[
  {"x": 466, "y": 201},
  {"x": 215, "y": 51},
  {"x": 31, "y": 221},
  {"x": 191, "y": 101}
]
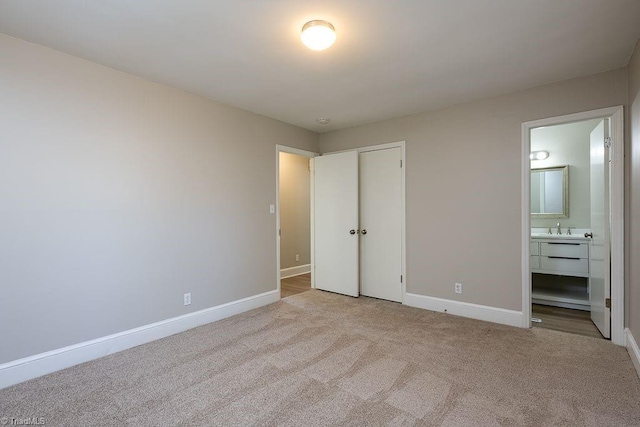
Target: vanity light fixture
[
  {"x": 318, "y": 34},
  {"x": 539, "y": 155}
]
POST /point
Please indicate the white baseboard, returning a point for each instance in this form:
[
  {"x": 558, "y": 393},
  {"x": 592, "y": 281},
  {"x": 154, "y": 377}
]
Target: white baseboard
[
  {"x": 633, "y": 349},
  {"x": 465, "y": 309},
  {"x": 21, "y": 370},
  {"x": 295, "y": 271}
]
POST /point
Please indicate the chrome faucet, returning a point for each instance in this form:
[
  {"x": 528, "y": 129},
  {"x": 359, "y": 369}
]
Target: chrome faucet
[
  {"x": 549, "y": 231},
  {"x": 559, "y": 229},
  {"x": 568, "y": 231}
]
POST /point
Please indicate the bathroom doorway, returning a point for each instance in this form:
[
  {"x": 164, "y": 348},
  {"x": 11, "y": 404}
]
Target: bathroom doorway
[
  {"x": 573, "y": 226},
  {"x": 294, "y": 207}
]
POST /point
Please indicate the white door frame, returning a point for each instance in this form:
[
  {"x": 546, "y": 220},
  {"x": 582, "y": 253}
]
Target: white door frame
[
  {"x": 310, "y": 155},
  {"x": 403, "y": 215},
  {"x": 616, "y": 115}
]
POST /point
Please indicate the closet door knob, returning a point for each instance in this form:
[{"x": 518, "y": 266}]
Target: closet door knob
[
  {"x": 352, "y": 231},
  {"x": 364, "y": 231}
]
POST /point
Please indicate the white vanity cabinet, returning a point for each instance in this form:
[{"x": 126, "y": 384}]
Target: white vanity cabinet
[
  {"x": 561, "y": 256},
  {"x": 535, "y": 256}
]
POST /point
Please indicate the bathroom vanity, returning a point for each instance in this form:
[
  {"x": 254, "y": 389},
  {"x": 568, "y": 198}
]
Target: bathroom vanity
[{"x": 566, "y": 256}]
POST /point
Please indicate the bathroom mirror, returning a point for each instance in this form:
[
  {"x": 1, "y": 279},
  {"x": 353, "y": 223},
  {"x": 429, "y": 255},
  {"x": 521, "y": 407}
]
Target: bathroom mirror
[{"x": 550, "y": 192}]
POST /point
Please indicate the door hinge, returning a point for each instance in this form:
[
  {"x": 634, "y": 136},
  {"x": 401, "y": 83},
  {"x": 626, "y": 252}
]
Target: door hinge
[
  {"x": 280, "y": 232},
  {"x": 607, "y": 302},
  {"x": 607, "y": 142},
  {"x": 400, "y": 162},
  {"x": 401, "y": 278}
]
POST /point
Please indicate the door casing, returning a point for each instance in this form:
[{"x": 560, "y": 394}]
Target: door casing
[{"x": 616, "y": 116}]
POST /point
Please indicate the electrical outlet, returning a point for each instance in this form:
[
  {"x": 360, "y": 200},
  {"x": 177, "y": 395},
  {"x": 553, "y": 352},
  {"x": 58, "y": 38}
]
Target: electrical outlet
[
  {"x": 272, "y": 208},
  {"x": 297, "y": 257},
  {"x": 458, "y": 288},
  {"x": 187, "y": 299}
]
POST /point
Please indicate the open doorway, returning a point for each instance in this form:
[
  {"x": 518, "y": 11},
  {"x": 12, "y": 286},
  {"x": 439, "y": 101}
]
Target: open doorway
[
  {"x": 294, "y": 220},
  {"x": 567, "y": 199},
  {"x": 573, "y": 225}
]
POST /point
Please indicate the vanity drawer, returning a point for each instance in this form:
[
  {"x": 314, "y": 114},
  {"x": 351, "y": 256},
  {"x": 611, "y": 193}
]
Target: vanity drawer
[
  {"x": 535, "y": 248},
  {"x": 565, "y": 266},
  {"x": 534, "y": 264},
  {"x": 569, "y": 250}
]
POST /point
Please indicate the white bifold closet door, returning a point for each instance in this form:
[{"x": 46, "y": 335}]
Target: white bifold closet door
[
  {"x": 381, "y": 224},
  {"x": 358, "y": 223},
  {"x": 336, "y": 223}
]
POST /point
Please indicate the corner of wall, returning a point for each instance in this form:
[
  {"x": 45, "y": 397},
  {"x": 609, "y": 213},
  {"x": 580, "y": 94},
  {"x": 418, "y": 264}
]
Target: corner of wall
[
  {"x": 633, "y": 349},
  {"x": 632, "y": 225}
]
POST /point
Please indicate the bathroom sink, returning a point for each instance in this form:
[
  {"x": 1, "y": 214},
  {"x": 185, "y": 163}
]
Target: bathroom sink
[{"x": 557, "y": 236}]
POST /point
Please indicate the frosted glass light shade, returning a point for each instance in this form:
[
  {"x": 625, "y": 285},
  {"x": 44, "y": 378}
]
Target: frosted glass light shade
[
  {"x": 318, "y": 35},
  {"x": 539, "y": 155}
]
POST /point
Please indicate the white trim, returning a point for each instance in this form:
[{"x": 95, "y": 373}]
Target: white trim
[
  {"x": 617, "y": 227},
  {"x": 633, "y": 349},
  {"x": 403, "y": 227},
  {"x": 617, "y": 213},
  {"x": 384, "y": 146},
  {"x": 310, "y": 155},
  {"x": 525, "y": 237},
  {"x": 465, "y": 309},
  {"x": 295, "y": 271},
  {"x": 404, "y": 222},
  {"x": 24, "y": 369},
  {"x": 312, "y": 212}
]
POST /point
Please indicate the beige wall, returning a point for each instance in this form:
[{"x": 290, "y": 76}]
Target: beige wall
[
  {"x": 633, "y": 225},
  {"x": 568, "y": 144},
  {"x": 295, "y": 212},
  {"x": 463, "y": 184},
  {"x": 118, "y": 195}
]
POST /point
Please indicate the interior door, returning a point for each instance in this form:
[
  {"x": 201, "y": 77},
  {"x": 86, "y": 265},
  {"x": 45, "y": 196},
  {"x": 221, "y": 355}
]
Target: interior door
[
  {"x": 336, "y": 223},
  {"x": 381, "y": 224},
  {"x": 599, "y": 260}
]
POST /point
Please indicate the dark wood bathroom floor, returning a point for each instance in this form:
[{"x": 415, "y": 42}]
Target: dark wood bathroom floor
[
  {"x": 295, "y": 285},
  {"x": 565, "y": 320}
]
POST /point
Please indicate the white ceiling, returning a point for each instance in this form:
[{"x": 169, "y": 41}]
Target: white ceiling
[{"x": 391, "y": 58}]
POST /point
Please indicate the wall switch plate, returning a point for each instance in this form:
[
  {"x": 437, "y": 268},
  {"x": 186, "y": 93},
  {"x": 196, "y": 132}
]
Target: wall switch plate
[
  {"x": 458, "y": 288},
  {"x": 272, "y": 208},
  {"x": 187, "y": 299},
  {"x": 297, "y": 257}
]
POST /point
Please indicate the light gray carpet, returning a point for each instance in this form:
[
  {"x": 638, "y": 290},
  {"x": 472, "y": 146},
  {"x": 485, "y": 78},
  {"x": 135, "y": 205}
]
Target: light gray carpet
[{"x": 323, "y": 359}]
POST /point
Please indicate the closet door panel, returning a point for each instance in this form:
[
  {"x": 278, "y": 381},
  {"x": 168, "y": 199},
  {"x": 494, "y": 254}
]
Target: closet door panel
[
  {"x": 336, "y": 223},
  {"x": 381, "y": 224}
]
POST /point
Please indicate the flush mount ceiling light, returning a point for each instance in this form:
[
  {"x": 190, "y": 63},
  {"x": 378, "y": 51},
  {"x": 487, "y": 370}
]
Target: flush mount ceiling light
[
  {"x": 318, "y": 35},
  {"x": 539, "y": 155}
]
